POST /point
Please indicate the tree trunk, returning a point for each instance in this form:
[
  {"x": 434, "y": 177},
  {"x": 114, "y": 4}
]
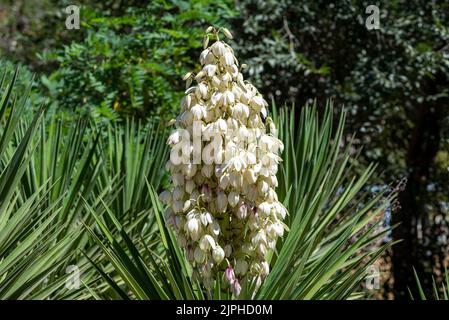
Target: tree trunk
[{"x": 411, "y": 252}]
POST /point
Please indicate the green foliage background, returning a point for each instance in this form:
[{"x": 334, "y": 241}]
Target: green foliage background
[{"x": 127, "y": 60}]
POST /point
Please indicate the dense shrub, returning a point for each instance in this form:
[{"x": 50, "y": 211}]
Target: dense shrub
[
  {"x": 394, "y": 83},
  {"x": 130, "y": 64}
]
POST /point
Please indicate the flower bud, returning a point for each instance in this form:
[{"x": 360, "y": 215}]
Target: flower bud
[
  {"x": 229, "y": 273},
  {"x": 189, "y": 170},
  {"x": 207, "y": 170},
  {"x": 178, "y": 193},
  {"x": 207, "y": 242},
  {"x": 233, "y": 198},
  {"x": 264, "y": 209},
  {"x": 186, "y": 76},
  {"x": 215, "y": 228},
  {"x": 189, "y": 254},
  {"x": 206, "y": 218},
  {"x": 218, "y": 48},
  {"x": 190, "y": 186},
  {"x": 198, "y": 112},
  {"x": 207, "y": 192},
  {"x": 203, "y": 56},
  {"x": 165, "y": 197},
  {"x": 236, "y": 179},
  {"x": 199, "y": 255},
  {"x": 187, "y": 205},
  {"x": 227, "y": 33},
  {"x": 261, "y": 249},
  {"x": 263, "y": 187},
  {"x": 228, "y": 250},
  {"x": 177, "y": 206},
  {"x": 193, "y": 228},
  {"x": 182, "y": 241},
  {"x": 241, "y": 267},
  {"x": 201, "y": 91},
  {"x": 265, "y": 267},
  {"x": 218, "y": 254},
  {"x": 242, "y": 211},
  {"x": 224, "y": 181},
  {"x": 210, "y": 69},
  {"x": 222, "y": 201},
  {"x": 169, "y": 216},
  {"x": 227, "y": 59},
  {"x": 236, "y": 288}
]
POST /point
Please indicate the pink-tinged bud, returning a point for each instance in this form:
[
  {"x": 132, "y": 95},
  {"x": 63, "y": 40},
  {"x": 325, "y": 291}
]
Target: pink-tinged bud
[
  {"x": 229, "y": 273},
  {"x": 242, "y": 211},
  {"x": 205, "y": 189},
  {"x": 236, "y": 288}
]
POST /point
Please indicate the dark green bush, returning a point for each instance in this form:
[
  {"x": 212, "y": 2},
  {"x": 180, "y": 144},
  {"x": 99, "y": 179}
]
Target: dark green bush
[
  {"x": 393, "y": 81},
  {"x": 131, "y": 64}
]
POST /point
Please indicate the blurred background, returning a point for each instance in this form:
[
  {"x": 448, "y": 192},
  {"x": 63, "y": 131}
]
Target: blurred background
[{"x": 127, "y": 57}]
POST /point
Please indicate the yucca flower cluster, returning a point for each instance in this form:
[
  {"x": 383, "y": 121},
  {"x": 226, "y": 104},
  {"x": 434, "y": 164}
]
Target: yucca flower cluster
[{"x": 223, "y": 164}]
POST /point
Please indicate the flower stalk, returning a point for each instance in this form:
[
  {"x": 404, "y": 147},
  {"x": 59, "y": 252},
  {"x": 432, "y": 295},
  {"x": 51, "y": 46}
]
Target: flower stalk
[{"x": 223, "y": 164}]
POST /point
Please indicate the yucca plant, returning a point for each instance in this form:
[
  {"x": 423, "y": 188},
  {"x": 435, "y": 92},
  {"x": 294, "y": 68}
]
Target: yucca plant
[
  {"x": 334, "y": 228},
  {"x": 440, "y": 291},
  {"x": 334, "y": 223},
  {"x": 52, "y": 172},
  {"x": 29, "y": 228},
  {"x": 100, "y": 166},
  {"x": 76, "y": 193}
]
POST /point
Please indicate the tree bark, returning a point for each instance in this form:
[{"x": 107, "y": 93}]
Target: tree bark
[{"x": 423, "y": 147}]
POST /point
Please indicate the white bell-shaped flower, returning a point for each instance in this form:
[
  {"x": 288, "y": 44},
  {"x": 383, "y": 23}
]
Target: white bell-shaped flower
[{"x": 224, "y": 210}]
